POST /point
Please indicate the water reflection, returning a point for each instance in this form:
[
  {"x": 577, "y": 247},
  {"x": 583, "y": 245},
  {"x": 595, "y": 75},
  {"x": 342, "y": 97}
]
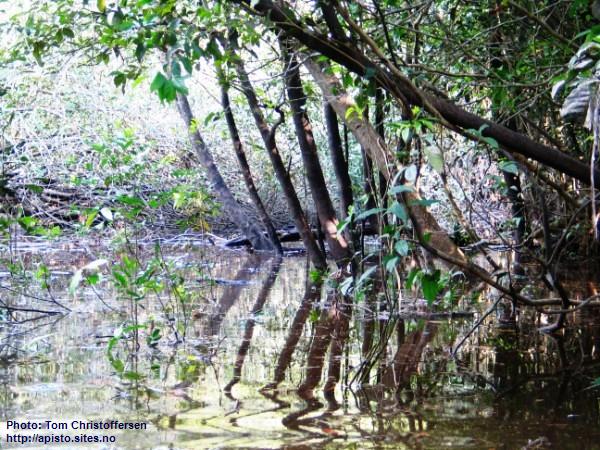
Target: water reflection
[
  {"x": 275, "y": 360},
  {"x": 257, "y": 308}
]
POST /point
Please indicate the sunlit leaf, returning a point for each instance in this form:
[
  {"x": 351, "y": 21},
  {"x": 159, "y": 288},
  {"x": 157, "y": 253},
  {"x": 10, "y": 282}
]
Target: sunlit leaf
[
  {"x": 435, "y": 158},
  {"x": 410, "y": 173},
  {"x": 107, "y": 214},
  {"x": 118, "y": 365}
]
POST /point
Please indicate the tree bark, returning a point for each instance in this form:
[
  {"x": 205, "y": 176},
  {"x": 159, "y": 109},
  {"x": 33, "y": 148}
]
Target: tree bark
[
  {"x": 380, "y": 127},
  {"x": 339, "y": 162},
  {"x": 222, "y": 191},
  {"x": 268, "y": 136},
  {"x": 316, "y": 180},
  {"x": 245, "y": 168},
  {"x": 315, "y": 359}
]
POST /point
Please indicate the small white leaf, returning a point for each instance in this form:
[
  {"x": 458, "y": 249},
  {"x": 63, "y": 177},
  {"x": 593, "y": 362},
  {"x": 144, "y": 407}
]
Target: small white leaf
[
  {"x": 95, "y": 265},
  {"x": 410, "y": 173},
  {"x": 557, "y": 88},
  {"x": 107, "y": 214}
]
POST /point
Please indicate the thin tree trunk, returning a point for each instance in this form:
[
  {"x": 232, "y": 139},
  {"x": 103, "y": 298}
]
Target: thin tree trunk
[
  {"x": 222, "y": 191},
  {"x": 337, "y": 244},
  {"x": 369, "y": 187},
  {"x": 380, "y": 127},
  {"x": 517, "y": 207},
  {"x": 513, "y": 182},
  {"x": 245, "y": 168},
  {"x": 423, "y": 222},
  {"x": 339, "y": 162},
  {"x": 229, "y": 296},
  {"x": 268, "y": 136},
  {"x": 408, "y": 356}
]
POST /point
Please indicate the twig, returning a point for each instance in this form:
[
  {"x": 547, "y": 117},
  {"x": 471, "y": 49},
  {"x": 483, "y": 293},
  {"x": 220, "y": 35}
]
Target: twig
[{"x": 479, "y": 322}]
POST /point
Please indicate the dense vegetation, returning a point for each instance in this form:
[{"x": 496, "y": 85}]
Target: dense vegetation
[
  {"x": 444, "y": 102},
  {"x": 461, "y": 136}
]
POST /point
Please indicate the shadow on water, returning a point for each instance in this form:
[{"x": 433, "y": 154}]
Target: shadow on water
[{"x": 275, "y": 360}]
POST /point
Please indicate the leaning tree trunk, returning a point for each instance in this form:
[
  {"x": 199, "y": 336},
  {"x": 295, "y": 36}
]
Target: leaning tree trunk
[
  {"x": 380, "y": 127},
  {"x": 338, "y": 246},
  {"x": 338, "y": 160},
  {"x": 268, "y": 135},
  {"x": 245, "y": 168},
  {"x": 224, "y": 195},
  {"x": 423, "y": 222},
  {"x": 513, "y": 181}
]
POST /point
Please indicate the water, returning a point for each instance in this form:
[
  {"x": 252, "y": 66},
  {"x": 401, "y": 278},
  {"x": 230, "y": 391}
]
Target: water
[{"x": 507, "y": 387}]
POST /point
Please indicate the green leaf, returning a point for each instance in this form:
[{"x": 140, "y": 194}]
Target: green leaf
[
  {"x": 491, "y": 142},
  {"x": 179, "y": 85},
  {"x": 89, "y": 218},
  {"x": 176, "y": 69},
  {"x": 36, "y": 189},
  {"x": 399, "y": 211},
  {"x": 130, "y": 328},
  {"x": 314, "y": 316},
  {"x": 131, "y": 201},
  {"x": 140, "y": 51},
  {"x": 369, "y": 213},
  {"x": 402, "y": 248},
  {"x": 101, "y": 5},
  {"x": 401, "y": 188},
  {"x": 345, "y": 286},
  {"x": 435, "y": 158},
  {"x": 120, "y": 79},
  {"x": 120, "y": 278},
  {"x": 163, "y": 87},
  {"x": 316, "y": 276},
  {"x": 118, "y": 365},
  {"x": 510, "y": 167},
  {"x": 365, "y": 276},
  {"x": 406, "y": 134},
  {"x": 431, "y": 286},
  {"x": 391, "y": 262},
  {"x": 92, "y": 279},
  {"x": 412, "y": 276},
  {"x": 133, "y": 376},
  {"x": 112, "y": 342},
  {"x": 27, "y": 223},
  {"x": 187, "y": 64}
]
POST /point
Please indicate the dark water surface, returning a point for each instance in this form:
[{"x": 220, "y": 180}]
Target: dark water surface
[{"x": 507, "y": 387}]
